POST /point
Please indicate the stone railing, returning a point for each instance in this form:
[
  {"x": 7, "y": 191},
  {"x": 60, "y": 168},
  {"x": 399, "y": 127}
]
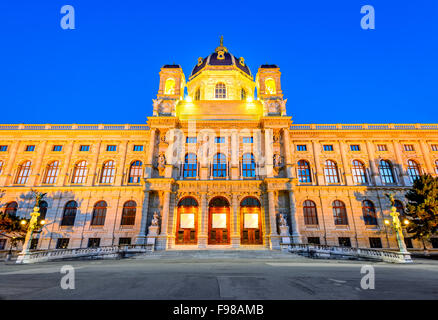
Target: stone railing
[
  {"x": 335, "y": 252},
  {"x": 366, "y": 126},
  {"x": 109, "y": 252},
  {"x": 74, "y": 127}
]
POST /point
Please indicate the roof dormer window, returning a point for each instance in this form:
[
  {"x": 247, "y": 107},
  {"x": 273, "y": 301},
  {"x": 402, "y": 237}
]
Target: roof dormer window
[{"x": 220, "y": 91}]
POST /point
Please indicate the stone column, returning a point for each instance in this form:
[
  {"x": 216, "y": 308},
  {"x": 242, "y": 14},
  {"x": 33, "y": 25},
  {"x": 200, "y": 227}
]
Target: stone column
[
  {"x": 149, "y": 157},
  {"x": 120, "y": 167},
  {"x": 426, "y": 156},
  {"x": 318, "y": 169},
  {"x": 288, "y": 154},
  {"x": 202, "y": 222},
  {"x": 170, "y": 137},
  {"x": 235, "y": 173},
  {"x": 7, "y": 177},
  {"x": 36, "y": 173},
  {"x": 141, "y": 236},
  {"x": 235, "y": 219},
  {"x": 274, "y": 237},
  {"x": 402, "y": 175},
  {"x": 346, "y": 167},
  {"x": 293, "y": 210},
  {"x": 375, "y": 176},
  {"x": 93, "y": 170},
  {"x": 268, "y": 153},
  {"x": 65, "y": 166}
]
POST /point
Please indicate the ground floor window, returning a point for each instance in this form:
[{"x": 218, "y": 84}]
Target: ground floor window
[
  {"x": 124, "y": 241},
  {"x": 93, "y": 242},
  {"x": 33, "y": 244},
  {"x": 434, "y": 242},
  {"x": 408, "y": 242},
  {"x": 375, "y": 243},
  {"x": 62, "y": 243},
  {"x": 344, "y": 241},
  {"x": 313, "y": 240},
  {"x": 2, "y": 244}
]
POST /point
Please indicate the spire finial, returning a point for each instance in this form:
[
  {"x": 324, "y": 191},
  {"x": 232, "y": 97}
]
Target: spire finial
[
  {"x": 222, "y": 41},
  {"x": 221, "y": 45}
]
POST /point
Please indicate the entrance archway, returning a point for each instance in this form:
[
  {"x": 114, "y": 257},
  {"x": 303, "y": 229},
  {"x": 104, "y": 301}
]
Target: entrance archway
[
  {"x": 187, "y": 221},
  {"x": 219, "y": 221},
  {"x": 250, "y": 221}
]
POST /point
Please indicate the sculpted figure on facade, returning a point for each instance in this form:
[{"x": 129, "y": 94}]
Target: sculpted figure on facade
[
  {"x": 161, "y": 163},
  {"x": 155, "y": 219}
]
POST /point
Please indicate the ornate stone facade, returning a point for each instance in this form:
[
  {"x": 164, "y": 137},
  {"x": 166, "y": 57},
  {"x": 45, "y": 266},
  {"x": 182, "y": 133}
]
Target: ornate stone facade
[{"x": 218, "y": 168}]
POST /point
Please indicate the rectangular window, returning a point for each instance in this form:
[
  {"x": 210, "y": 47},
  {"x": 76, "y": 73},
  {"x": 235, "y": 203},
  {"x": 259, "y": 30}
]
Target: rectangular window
[
  {"x": 301, "y": 147},
  {"x": 138, "y": 148},
  {"x": 328, "y": 147},
  {"x": 313, "y": 240},
  {"x": 219, "y": 139},
  {"x": 3, "y": 148},
  {"x": 191, "y": 139},
  {"x": 30, "y": 148},
  {"x": 111, "y": 147},
  {"x": 344, "y": 241},
  {"x": 434, "y": 242},
  {"x": 33, "y": 244},
  {"x": 62, "y": 243},
  {"x": 93, "y": 242},
  {"x": 409, "y": 147},
  {"x": 57, "y": 148},
  {"x": 2, "y": 244},
  {"x": 124, "y": 241},
  {"x": 84, "y": 148},
  {"x": 434, "y": 147},
  {"x": 375, "y": 243},
  {"x": 247, "y": 140},
  {"x": 382, "y": 147},
  {"x": 355, "y": 147},
  {"x": 408, "y": 242}
]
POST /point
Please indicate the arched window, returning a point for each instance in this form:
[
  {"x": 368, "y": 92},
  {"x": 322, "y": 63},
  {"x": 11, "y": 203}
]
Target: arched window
[
  {"x": 69, "y": 215},
  {"x": 369, "y": 213},
  {"x": 23, "y": 172},
  {"x": 248, "y": 165},
  {"x": 198, "y": 94},
  {"x": 108, "y": 171},
  {"x": 219, "y": 165},
  {"x": 169, "y": 87},
  {"x": 220, "y": 91},
  {"x": 304, "y": 175},
  {"x": 99, "y": 214},
  {"x": 11, "y": 208},
  {"x": 250, "y": 202},
  {"x": 386, "y": 173},
  {"x": 310, "y": 213},
  {"x": 1, "y": 167},
  {"x": 413, "y": 170},
  {"x": 52, "y": 170},
  {"x": 270, "y": 86},
  {"x": 331, "y": 172},
  {"x": 359, "y": 176},
  {"x": 400, "y": 209},
  {"x": 340, "y": 213},
  {"x": 135, "y": 172},
  {"x": 80, "y": 173},
  {"x": 190, "y": 166},
  {"x": 128, "y": 213},
  {"x": 242, "y": 94},
  {"x": 43, "y": 210},
  {"x": 188, "y": 202}
]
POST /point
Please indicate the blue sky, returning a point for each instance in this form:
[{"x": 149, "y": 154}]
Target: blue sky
[{"x": 106, "y": 70}]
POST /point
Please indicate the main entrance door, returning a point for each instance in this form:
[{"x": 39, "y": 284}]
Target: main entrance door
[
  {"x": 187, "y": 221},
  {"x": 250, "y": 220},
  {"x": 219, "y": 221}
]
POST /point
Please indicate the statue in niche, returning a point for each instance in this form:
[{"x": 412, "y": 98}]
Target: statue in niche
[
  {"x": 156, "y": 103},
  {"x": 161, "y": 166},
  {"x": 155, "y": 219},
  {"x": 278, "y": 163},
  {"x": 283, "y": 221}
]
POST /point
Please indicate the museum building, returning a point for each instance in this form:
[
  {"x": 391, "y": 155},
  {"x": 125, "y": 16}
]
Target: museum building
[{"x": 220, "y": 167}]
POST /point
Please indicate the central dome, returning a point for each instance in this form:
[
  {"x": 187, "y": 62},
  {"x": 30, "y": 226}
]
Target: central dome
[{"x": 221, "y": 57}]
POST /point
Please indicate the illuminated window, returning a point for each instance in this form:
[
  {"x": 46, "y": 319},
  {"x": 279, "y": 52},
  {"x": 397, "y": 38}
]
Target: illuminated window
[
  {"x": 79, "y": 173},
  {"x": 369, "y": 213},
  {"x": 340, "y": 213},
  {"x": 220, "y": 91},
  {"x": 358, "y": 169},
  {"x": 270, "y": 86},
  {"x": 169, "y": 87},
  {"x": 219, "y": 165},
  {"x": 52, "y": 170},
  {"x": 198, "y": 94},
  {"x": 190, "y": 166},
  {"x": 304, "y": 172},
  {"x": 331, "y": 172},
  {"x": 11, "y": 208},
  {"x": 135, "y": 172},
  {"x": 69, "y": 215},
  {"x": 413, "y": 170},
  {"x": 242, "y": 94},
  {"x": 248, "y": 165},
  {"x": 310, "y": 213},
  {"x": 23, "y": 172},
  {"x": 108, "y": 171},
  {"x": 128, "y": 213},
  {"x": 386, "y": 172},
  {"x": 99, "y": 214}
]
